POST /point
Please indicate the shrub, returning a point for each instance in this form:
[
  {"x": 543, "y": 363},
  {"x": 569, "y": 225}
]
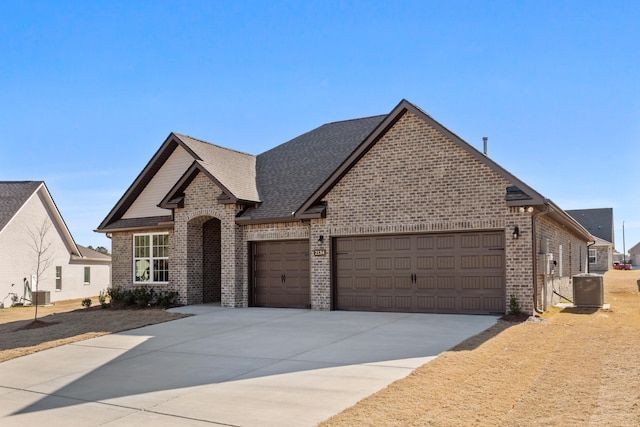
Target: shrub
[
  {"x": 167, "y": 299},
  {"x": 86, "y": 303},
  {"x": 102, "y": 298},
  {"x": 514, "y": 306},
  {"x": 141, "y": 297}
]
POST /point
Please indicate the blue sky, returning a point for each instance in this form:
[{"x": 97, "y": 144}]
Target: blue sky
[{"x": 90, "y": 89}]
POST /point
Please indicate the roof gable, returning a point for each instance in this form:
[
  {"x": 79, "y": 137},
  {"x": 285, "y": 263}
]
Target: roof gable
[
  {"x": 15, "y": 194},
  {"x": 524, "y": 192},
  {"x": 233, "y": 170}
]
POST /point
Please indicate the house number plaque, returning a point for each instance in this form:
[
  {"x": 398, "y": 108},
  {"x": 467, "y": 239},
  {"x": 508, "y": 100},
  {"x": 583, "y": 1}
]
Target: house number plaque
[{"x": 319, "y": 252}]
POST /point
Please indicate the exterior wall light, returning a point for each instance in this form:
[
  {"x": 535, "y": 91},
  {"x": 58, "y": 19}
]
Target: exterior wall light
[
  {"x": 320, "y": 238},
  {"x": 516, "y": 232}
]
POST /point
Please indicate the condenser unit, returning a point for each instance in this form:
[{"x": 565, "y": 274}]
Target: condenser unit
[{"x": 588, "y": 290}]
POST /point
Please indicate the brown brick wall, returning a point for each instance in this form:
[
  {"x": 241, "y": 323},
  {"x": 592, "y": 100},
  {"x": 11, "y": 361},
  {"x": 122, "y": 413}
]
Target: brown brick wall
[
  {"x": 122, "y": 260},
  {"x": 416, "y": 180},
  {"x": 189, "y": 273},
  {"x": 572, "y": 261}
]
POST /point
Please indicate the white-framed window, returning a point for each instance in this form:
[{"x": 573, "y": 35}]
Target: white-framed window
[
  {"x": 87, "y": 275},
  {"x": 58, "y": 277},
  {"x": 592, "y": 256},
  {"x": 151, "y": 258}
]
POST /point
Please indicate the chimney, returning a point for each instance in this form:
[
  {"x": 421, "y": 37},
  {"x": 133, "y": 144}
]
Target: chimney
[{"x": 484, "y": 142}]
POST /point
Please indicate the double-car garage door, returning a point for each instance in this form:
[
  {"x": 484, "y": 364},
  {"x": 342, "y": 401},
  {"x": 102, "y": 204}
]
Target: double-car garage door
[
  {"x": 423, "y": 273},
  {"x": 429, "y": 273}
]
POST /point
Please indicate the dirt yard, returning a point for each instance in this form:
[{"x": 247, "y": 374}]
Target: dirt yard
[
  {"x": 575, "y": 367},
  {"x": 66, "y": 322}
]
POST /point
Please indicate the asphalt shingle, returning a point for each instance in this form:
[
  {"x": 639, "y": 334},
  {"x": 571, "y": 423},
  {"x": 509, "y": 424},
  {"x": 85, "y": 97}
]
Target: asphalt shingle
[
  {"x": 289, "y": 174},
  {"x": 14, "y": 194}
]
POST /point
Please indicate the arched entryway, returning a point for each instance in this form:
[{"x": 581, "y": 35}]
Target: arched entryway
[{"x": 204, "y": 260}]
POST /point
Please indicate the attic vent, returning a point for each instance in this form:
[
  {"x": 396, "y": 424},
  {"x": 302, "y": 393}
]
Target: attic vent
[{"x": 515, "y": 194}]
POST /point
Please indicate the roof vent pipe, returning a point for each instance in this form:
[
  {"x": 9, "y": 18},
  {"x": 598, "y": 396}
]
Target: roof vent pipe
[{"x": 484, "y": 143}]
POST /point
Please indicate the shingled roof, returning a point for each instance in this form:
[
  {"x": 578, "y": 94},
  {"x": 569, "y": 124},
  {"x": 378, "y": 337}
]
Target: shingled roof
[
  {"x": 13, "y": 195},
  {"x": 289, "y": 173},
  {"x": 234, "y": 170},
  {"x": 598, "y": 222}
]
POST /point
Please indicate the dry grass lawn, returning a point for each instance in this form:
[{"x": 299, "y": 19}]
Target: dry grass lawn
[
  {"x": 577, "y": 367},
  {"x": 66, "y": 322}
]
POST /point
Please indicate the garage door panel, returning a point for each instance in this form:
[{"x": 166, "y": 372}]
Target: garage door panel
[
  {"x": 362, "y": 263},
  {"x": 402, "y": 263},
  {"x": 445, "y": 242},
  {"x": 446, "y": 282},
  {"x": 439, "y": 273},
  {"x": 493, "y": 240},
  {"x": 472, "y": 303},
  {"x": 363, "y": 282},
  {"x": 362, "y": 245},
  {"x": 384, "y": 263},
  {"x": 425, "y": 262},
  {"x": 445, "y": 262},
  {"x": 492, "y": 261},
  {"x": 404, "y": 302},
  {"x": 384, "y": 302},
  {"x": 402, "y": 243},
  {"x": 384, "y": 282},
  {"x": 471, "y": 241},
  {"x": 470, "y": 261},
  {"x": 425, "y": 282},
  {"x": 494, "y": 304},
  {"x": 382, "y": 245},
  {"x": 425, "y": 303},
  {"x": 445, "y": 303},
  {"x": 472, "y": 282},
  {"x": 495, "y": 282},
  {"x": 425, "y": 242}
]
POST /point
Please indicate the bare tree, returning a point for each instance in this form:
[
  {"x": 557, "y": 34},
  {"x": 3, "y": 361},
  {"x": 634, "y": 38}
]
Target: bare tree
[{"x": 40, "y": 247}]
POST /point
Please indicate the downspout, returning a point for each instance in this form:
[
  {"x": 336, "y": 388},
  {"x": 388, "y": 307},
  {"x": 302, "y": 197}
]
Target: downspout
[{"x": 534, "y": 257}]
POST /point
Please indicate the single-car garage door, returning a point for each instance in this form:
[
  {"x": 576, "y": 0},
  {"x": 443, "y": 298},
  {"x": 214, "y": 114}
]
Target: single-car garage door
[
  {"x": 281, "y": 274},
  {"x": 427, "y": 273}
]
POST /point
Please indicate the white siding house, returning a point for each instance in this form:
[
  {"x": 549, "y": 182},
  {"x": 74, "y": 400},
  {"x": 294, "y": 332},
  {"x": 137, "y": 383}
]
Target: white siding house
[{"x": 29, "y": 219}]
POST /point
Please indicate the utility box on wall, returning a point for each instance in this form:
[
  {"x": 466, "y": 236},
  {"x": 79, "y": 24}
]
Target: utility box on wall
[{"x": 588, "y": 290}]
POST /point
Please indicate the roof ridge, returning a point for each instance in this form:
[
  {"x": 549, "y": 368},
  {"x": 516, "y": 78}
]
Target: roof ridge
[
  {"x": 353, "y": 120},
  {"x": 213, "y": 145}
]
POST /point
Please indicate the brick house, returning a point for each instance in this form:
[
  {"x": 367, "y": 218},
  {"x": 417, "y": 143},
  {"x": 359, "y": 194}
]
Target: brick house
[
  {"x": 384, "y": 213},
  {"x": 598, "y": 222}
]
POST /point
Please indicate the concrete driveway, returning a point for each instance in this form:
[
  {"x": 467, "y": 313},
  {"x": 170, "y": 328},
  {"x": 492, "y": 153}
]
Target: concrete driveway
[{"x": 237, "y": 367}]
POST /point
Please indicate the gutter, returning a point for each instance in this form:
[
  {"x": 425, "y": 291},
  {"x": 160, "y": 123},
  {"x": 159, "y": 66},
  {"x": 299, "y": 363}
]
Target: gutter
[{"x": 534, "y": 258}]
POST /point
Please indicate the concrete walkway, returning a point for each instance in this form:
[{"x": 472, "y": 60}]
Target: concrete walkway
[{"x": 234, "y": 367}]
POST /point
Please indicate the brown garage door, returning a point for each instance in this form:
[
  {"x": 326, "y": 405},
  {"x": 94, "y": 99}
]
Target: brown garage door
[
  {"x": 430, "y": 273},
  {"x": 281, "y": 274}
]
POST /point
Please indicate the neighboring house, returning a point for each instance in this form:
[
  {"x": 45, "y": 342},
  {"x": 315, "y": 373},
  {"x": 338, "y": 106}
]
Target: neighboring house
[
  {"x": 384, "y": 213},
  {"x": 27, "y": 210},
  {"x": 634, "y": 254},
  {"x": 598, "y": 222}
]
